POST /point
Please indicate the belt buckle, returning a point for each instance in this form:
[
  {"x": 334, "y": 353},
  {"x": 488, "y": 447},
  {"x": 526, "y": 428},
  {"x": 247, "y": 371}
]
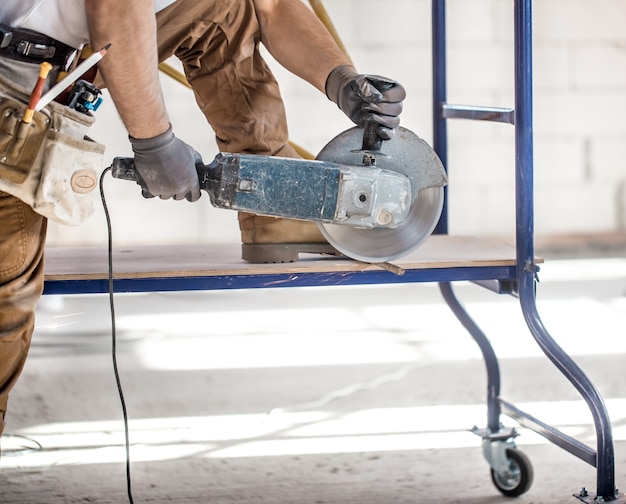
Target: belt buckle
[
  {"x": 33, "y": 50},
  {"x": 5, "y": 37}
]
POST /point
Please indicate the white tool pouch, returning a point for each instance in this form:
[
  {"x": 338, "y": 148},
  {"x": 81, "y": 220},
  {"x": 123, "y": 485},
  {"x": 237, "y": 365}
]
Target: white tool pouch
[{"x": 49, "y": 163}]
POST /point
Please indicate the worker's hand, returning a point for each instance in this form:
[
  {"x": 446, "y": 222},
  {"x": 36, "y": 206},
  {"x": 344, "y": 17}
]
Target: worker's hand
[
  {"x": 367, "y": 98},
  {"x": 167, "y": 166}
]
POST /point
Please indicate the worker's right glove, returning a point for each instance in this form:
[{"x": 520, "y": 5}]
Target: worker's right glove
[
  {"x": 167, "y": 166},
  {"x": 367, "y": 98}
]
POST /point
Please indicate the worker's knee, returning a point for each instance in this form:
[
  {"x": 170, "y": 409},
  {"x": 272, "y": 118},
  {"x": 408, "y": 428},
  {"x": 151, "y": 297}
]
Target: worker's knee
[{"x": 234, "y": 87}]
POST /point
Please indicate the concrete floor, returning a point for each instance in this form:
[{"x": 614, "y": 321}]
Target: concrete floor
[{"x": 320, "y": 395}]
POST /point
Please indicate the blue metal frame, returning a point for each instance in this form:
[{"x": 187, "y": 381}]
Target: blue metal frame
[{"x": 603, "y": 457}]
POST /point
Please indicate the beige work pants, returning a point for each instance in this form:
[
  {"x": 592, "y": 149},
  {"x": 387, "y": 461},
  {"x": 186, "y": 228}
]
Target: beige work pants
[
  {"x": 22, "y": 236},
  {"x": 218, "y": 44}
]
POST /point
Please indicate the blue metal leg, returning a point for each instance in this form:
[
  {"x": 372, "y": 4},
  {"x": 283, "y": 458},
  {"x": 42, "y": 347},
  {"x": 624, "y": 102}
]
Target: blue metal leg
[
  {"x": 440, "y": 131},
  {"x": 440, "y": 144},
  {"x": 525, "y": 251},
  {"x": 489, "y": 355}
]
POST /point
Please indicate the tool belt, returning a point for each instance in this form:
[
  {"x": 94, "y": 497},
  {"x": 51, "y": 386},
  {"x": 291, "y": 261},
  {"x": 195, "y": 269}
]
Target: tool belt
[
  {"x": 49, "y": 163},
  {"x": 33, "y": 47}
]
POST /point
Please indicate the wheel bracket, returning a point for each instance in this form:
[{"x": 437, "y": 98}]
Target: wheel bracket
[
  {"x": 495, "y": 453},
  {"x": 495, "y": 445}
]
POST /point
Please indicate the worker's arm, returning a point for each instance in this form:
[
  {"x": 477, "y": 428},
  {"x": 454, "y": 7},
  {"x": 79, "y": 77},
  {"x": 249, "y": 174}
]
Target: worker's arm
[
  {"x": 300, "y": 42},
  {"x": 130, "y": 72},
  {"x": 130, "y": 68}
]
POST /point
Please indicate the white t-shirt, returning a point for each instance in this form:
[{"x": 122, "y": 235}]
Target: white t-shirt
[{"x": 63, "y": 20}]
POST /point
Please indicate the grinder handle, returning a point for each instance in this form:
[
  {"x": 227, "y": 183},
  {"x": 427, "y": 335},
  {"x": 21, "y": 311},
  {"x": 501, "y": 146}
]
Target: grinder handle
[
  {"x": 372, "y": 141},
  {"x": 123, "y": 168}
]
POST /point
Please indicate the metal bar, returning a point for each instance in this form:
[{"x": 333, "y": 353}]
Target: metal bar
[
  {"x": 555, "y": 436},
  {"x": 499, "y": 286},
  {"x": 255, "y": 281},
  {"x": 440, "y": 132},
  {"x": 525, "y": 251},
  {"x": 489, "y": 355},
  {"x": 476, "y": 113}
]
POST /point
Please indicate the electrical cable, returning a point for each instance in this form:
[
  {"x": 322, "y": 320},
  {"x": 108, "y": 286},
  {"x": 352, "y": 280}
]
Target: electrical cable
[{"x": 114, "y": 336}]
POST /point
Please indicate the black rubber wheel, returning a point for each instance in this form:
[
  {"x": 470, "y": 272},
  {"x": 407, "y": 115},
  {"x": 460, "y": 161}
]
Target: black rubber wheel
[{"x": 519, "y": 477}]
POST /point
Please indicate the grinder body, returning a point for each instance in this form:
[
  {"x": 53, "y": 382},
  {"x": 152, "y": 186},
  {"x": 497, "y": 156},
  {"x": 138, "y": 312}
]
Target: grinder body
[{"x": 318, "y": 191}]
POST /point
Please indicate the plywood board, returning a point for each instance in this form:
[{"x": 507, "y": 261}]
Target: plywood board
[{"x": 217, "y": 260}]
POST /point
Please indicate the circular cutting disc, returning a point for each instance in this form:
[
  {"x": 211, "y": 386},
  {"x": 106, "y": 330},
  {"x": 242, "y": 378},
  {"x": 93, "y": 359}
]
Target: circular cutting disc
[{"x": 405, "y": 153}]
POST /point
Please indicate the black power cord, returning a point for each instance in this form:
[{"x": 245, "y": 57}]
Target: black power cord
[{"x": 114, "y": 336}]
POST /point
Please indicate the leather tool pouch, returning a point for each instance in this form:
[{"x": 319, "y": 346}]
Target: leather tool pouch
[{"x": 49, "y": 163}]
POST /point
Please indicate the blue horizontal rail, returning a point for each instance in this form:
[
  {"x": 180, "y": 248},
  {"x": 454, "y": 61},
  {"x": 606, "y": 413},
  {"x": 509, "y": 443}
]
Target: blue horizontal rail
[
  {"x": 552, "y": 434},
  {"x": 221, "y": 282}
]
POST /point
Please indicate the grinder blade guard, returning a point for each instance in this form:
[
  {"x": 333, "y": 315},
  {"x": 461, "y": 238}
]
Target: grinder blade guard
[{"x": 409, "y": 155}]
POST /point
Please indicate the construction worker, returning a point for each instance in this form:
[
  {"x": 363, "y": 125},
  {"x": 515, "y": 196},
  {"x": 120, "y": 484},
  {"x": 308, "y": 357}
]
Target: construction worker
[{"x": 218, "y": 44}]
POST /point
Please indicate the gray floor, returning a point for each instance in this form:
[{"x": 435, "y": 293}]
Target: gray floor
[{"x": 322, "y": 395}]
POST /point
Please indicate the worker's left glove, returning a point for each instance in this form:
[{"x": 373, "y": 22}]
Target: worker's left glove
[
  {"x": 167, "y": 166},
  {"x": 367, "y": 98}
]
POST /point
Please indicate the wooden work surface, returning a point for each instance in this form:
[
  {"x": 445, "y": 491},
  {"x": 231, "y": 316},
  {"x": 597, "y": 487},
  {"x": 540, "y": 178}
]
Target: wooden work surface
[{"x": 170, "y": 261}]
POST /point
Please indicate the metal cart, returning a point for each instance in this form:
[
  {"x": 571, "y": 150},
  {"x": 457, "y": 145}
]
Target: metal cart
[{"x": 514, "y": 272}]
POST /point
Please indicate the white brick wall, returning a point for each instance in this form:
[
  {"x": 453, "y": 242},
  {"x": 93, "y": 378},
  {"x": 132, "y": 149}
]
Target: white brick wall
[{"x": 580, "y": 130}]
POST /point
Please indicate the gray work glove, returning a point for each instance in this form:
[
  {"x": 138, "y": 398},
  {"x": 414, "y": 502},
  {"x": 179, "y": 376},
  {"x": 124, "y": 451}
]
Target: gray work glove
[
  {"x": 367, "y": 98},
  {"x": 167, "y": 166}
]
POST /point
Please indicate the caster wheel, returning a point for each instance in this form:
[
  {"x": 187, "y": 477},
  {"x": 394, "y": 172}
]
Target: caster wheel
[{"x": 519, "y": 476}]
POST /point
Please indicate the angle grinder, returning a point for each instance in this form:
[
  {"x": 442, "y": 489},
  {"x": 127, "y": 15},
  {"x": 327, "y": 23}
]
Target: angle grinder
[{"x": 371, "y": 205}]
